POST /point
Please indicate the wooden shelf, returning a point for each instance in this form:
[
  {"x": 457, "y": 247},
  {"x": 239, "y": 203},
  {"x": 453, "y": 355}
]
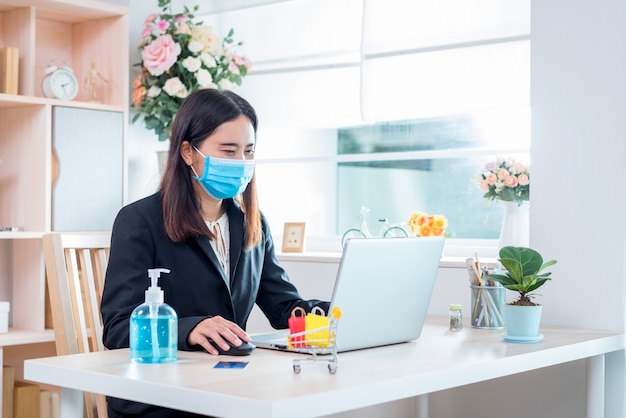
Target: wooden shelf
[
  {"x": 34, "y": 159},
  {"x": 15, "y": 101},
  {"x": 75, "y": 32},
  {"x": 67, "y": 11},
  {"x": 20, "y": 235},
  {"x": 17, "y": 336}
]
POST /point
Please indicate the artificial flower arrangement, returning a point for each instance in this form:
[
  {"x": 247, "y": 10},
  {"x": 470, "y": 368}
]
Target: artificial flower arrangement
[
  {"x": 424, "y": 225},
  {"x": 179, "y": 56},
  {"x": 505, "y": 179}
]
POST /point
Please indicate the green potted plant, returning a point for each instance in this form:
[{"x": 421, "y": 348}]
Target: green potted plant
[{"x": 524, "y": 267}]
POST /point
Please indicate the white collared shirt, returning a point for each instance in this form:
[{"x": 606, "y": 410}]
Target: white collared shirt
[{"x": 221, "y": 241}]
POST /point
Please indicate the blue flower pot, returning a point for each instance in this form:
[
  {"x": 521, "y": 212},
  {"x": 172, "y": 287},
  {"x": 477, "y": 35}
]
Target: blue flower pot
[{"x": 522, "y": 321}]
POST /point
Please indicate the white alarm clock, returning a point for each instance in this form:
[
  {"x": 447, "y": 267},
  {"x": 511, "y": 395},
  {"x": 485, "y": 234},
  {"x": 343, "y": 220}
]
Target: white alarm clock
[{"x": 59, "y": 83}]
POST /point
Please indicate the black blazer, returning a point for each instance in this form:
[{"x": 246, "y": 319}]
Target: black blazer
[{"x": 196, "y": 287}]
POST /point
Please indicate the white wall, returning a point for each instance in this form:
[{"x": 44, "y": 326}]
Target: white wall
[
  {"x": 578, "y": 147},
  {"x": 578, "y": 102}
]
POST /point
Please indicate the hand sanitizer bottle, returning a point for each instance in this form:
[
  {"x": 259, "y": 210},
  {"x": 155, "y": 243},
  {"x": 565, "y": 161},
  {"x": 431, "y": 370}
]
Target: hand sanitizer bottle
[{"x": 154, "y": 326}]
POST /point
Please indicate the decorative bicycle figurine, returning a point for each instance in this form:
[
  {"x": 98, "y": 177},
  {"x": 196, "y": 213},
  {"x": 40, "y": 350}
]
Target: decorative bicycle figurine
[{"x": 386, "y": 230}]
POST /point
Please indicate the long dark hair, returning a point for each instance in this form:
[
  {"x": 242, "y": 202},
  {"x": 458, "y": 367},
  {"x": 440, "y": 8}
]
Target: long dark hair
[{"x": 202, "y": 112}]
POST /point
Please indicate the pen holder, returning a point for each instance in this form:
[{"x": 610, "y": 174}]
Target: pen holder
[{"x": 486, "y": 307}]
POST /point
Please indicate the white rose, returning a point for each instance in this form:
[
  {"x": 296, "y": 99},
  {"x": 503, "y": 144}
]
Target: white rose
[
  {"x": 226, "y": 84},
  {"x": 517, "y": 168},
  {"x": 195, "y": 46},
  {"x": 174, "y": 87},
  {"x": 192, "y": 64},
  {"x": 153, "y": 91},
  {"x": 207, "y": 37},
  {"x": 208, "y": 60},
  {"x": 204, "y": 78},
  {"x": 182, "y": 93}
]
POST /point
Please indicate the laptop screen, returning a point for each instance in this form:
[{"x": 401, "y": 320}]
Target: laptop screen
[{"x": 383, "y": 288}]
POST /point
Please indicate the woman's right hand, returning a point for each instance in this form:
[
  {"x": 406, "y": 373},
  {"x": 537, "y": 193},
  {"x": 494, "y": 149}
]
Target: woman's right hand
[{"x": 219, "y": 330}]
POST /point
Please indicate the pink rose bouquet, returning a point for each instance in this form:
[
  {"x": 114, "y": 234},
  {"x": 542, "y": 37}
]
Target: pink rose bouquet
[
  {"x": 179, "y": 56},
  {"x": 505, "y": 179}
]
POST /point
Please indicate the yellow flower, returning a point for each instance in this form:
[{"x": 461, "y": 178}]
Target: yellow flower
[
  {"x": 416, "y": 220},
  {"x": 424, "y": 225}
]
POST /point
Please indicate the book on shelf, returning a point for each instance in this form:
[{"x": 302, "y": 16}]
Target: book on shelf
[{"x": 9, "y": 69}]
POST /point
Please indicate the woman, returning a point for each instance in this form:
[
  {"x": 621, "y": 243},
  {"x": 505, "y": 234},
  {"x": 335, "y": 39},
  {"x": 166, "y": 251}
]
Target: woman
[{"x": 204, "y": 225}]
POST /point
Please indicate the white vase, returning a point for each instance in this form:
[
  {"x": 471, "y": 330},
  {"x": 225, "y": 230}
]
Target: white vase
[{"x": 515, "y": 225}]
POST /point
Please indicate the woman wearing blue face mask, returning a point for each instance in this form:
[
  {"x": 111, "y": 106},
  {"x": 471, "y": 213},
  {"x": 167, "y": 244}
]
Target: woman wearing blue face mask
[{"x": 204, "y": 225}]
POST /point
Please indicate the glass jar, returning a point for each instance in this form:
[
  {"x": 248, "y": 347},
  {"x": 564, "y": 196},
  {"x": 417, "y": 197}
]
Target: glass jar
[{"x": 456, "y": 317}]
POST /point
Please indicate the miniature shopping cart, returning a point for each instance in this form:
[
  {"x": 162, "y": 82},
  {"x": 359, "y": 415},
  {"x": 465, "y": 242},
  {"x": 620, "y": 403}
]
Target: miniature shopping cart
[{"x": 317, "y": 341}]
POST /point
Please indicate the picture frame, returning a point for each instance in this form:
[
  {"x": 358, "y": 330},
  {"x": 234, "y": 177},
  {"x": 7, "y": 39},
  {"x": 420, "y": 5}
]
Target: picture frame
[{"x": 293, "y": 237}]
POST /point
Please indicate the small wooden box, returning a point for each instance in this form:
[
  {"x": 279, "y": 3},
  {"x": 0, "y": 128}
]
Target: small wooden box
[{"x": 9, "y": 69}]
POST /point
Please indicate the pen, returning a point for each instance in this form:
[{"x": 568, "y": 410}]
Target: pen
[
  {"x": 479, "y": 272},
  {"x": 485, "y": 274},
  {"x": 478, "y": 280}
]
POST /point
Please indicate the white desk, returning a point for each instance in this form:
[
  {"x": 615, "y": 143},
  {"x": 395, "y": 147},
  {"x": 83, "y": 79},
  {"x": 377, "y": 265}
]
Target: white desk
[{"x": 267, "y": 387}]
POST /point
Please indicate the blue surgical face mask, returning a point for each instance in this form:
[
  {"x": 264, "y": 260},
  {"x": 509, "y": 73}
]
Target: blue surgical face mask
[{"x": 224, "y": 178}]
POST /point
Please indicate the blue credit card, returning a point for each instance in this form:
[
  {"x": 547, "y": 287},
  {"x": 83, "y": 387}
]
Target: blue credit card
[{"x": 231, "y": 365}]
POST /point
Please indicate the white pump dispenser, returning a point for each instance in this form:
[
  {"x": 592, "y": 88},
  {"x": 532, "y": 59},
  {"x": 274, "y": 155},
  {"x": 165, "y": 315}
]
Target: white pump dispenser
[
  {"x": 154, "y": 326},
  {"x": 154, "y": 294}
]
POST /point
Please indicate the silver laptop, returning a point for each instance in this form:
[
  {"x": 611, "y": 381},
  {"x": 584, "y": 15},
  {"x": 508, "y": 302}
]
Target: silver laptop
[{"x": 383, "y": 288}]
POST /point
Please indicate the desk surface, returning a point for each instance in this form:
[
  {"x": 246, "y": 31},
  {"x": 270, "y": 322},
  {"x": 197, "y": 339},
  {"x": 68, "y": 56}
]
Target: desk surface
[{"x": 268, "y": 387}]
